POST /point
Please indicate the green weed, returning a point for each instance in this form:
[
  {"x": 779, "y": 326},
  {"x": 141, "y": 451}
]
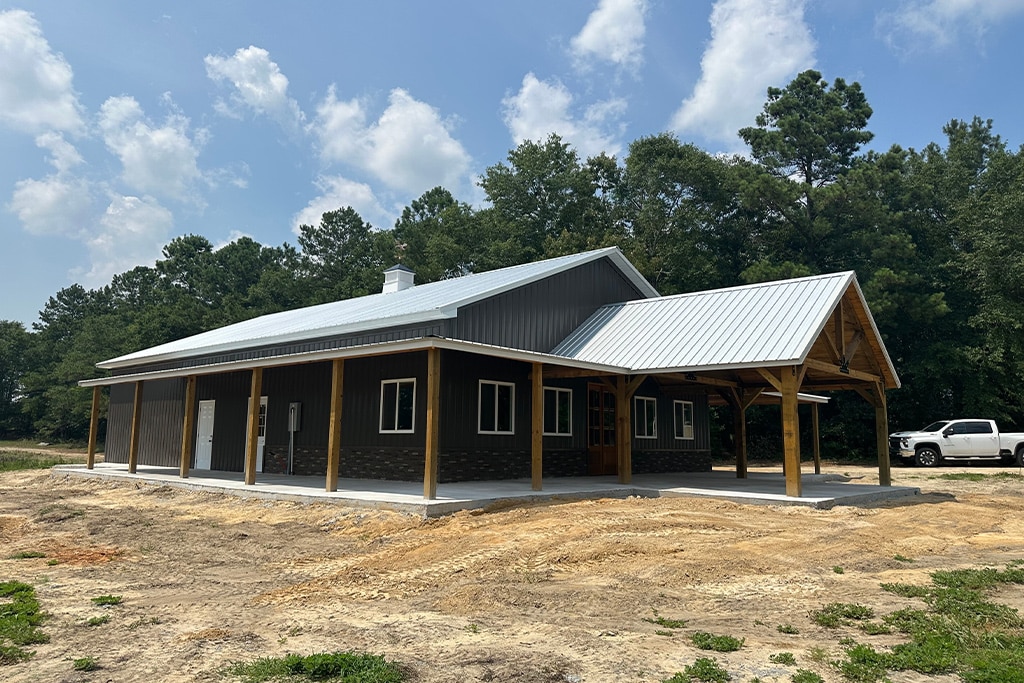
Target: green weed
[
  {"x": 805, "y": 676},
  {"x": 902, "y": 558},
  {"x": 838, "y": 570},
  {"x": 836, "y": 614},
  {"x": 666, "y": 622},
  {"x": 703, "y": 669},
  {"x": 346, "y": 667},
  {"x": 20, "y": 617},
  {"x": 86, "y": 664},
  {"x": 26, "y": 555},
  {"x": 104, "y": 600},
  {"x": 97, "y": 621},
  {"x": 785, "y": 658},
  {"x": 788, "y": 629},
  {"x": 708, "y": 641}
]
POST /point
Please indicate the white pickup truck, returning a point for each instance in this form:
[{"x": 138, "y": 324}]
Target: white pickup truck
[{"x": 957, "y": 440}]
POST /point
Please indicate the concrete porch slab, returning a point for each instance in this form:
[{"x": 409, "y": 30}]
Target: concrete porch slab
[{"x": 763, "y": 488}]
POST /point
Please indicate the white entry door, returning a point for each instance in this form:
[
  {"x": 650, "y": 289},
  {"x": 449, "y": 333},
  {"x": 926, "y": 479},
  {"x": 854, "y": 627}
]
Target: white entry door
[
  {"x": 204, "y": 436},
  {"x": 261, "y": 435}
]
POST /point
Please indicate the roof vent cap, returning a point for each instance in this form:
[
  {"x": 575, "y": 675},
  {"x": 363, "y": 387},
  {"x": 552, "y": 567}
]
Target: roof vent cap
[{"x": 397, "y": 278}]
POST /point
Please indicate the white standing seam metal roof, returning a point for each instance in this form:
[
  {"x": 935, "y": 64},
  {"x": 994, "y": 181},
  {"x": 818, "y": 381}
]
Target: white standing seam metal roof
[
  {"x": 421, "y": 303},
  {"x": 760, "y": 325}
]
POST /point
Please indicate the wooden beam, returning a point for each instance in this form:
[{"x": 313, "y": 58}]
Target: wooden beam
[
  {"x": 700, "y": 379},
  {"x": 739, "y": 421},
  {"x": 624, "y": 439},
  {"x": 816, "y": 436},
  {"x": 791, "y": 431},
  {"x": 882, "y": 437},
  {"x": 770, "y": 378},
  {"x": 851, "y": 348},
  {"x": 554, "y": 372},
  {"x": 634, "y": 384},
  {"x": 430, "y": 451},
  {"x": 748, "y": 396},
  {"x": 537, "y": 434},
  {"x": 188, "y": 429},
  {"x": 133, "y": 447},
  {"x": 840, "y": 332},
  {"x": 609, "y": 384},
  {"x": 830, "y": 368},
  {"x": 334, "y": 430},
  {"x": 253, "y": 430},
  {"x": 94, "y": 424}
]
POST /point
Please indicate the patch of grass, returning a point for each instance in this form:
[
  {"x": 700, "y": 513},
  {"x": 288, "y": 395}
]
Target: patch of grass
[
  {"x": 838, "y": 570},
  {"x": 709, "y": 641},
  {"x": 659, "y": 632},
  {"x": 97, "y": 621},
  {"x": 144, "y": 621},
  {"x": 57, "y": 513},
  {"x": 817, "y": 654},
  {"x": 11, "y": 461},
  {"x": 785, "y": 658},
  {"x": 104, "y": 600},
  {"x": 902, "y": 558},
  {"x": 872, "y": 628},
  {"x": 961, "y": 476},
  {"x": 836, "y": 614},
  {"x": 805, "y": 676},
  {"x": 960, "y": 632},
  {"x": 665, "y": 621},
  {"x": 788, "y": 629},
  {"x": 20, "y": 617},
  {"x": 85, "y": 664},
  {"x": 26, "y": 555},
  {"x": 347, "y": 667},
  {"x": 473, "y": 628},
  {"x": 703, "y": 669}
]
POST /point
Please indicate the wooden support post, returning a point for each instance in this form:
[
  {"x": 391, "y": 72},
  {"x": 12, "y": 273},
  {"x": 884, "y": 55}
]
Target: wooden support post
[
  {"x": 816, "y": 435},
  {"x": 882, "y": 437},
  {"x": 334, "y": 430},
  {"x": 133, "y": 448},
  {"x": 94, "y": 423},
  {"x": 623, "y": 437},
  {"x": 430, "y": 464},
  {"x": 188, "y": 428},
  {"x": 253, "y": 431},
  {"x": 791, "y": 431},
  {"x": 537, "y": 440},
  {"x": 739, "y": 421}
]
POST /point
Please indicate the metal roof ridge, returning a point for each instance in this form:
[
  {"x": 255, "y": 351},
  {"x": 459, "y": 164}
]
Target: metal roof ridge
[{"x": 736, "y": 288}]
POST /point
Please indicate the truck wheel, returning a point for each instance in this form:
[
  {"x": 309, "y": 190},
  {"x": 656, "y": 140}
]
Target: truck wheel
[
  {"x": 927, "y": 457},
  {"x": 1020, "y": 456}
]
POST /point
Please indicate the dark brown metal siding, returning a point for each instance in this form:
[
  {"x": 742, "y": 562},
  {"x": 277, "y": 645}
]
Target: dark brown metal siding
[
  {"x": 309, "y": 385},
  {"x": 666, "y": 420},
  {"x": 162, "y": 415},
  {"x": 231, "y": 392},
  {"x": 461, "y": 373},
  {"x": 360, "y": 416},
  {"x": 538, "y": 316}
]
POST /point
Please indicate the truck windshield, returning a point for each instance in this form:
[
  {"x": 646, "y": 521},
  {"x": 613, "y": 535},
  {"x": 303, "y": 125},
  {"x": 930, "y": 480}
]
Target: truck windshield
[{"x": 935, "y": 426}]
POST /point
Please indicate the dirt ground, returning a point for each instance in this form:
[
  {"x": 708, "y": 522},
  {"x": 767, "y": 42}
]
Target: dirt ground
[{"x": 540, "y": 593}]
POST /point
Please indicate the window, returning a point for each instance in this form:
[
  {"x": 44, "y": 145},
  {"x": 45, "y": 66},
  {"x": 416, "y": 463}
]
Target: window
[
  {"x": 645, "y": 411},
  {"x": 397, "y": 405},
  {"x": 684, "y": 419},
  {"x": 979, "y": 428},
  {"x": 557, "y": 411},
  {"x": 497, "y": 407}
]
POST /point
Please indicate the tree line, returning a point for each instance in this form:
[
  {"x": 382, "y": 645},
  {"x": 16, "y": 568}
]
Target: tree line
[{"x": 935, "y": 236}]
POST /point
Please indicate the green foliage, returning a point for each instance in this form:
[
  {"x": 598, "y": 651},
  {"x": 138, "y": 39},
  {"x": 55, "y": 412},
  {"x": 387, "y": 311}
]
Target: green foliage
[
  {"x": 97, "y": 621},
  {"x": 836, "y": 614},
  {"x": 27, "y": 555},
  {"x": 666, "y": 622},
  {"x": 805, "y": 676},
  {"x": 703, "y": 669},
  {"x": 13, "y": 460},
  {"x": 838, "y": 570},
  {"x": 788, "y": 629},
  {"x": 785, "y": 658},
  {"x": 105, "y": 600},
  {"x": 902, "y": 558},
  {"x": 708, "y": 641},
  {"x": 85, "y": 664},
  {"x": 20, "y": 618},
  {"x": 347, "y": 667}
]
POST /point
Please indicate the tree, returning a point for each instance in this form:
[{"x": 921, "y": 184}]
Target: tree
[
  {"x": 343, "y": 256},
  {"x": 437, "y": 236},
  {"x": 14, "y": 345}
]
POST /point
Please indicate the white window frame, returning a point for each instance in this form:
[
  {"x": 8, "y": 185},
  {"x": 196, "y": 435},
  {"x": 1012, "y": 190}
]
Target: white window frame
[
  {"x": 399, "y": 382},
  {"x": 675, "y": 418},
  {"x": 650, "y": 403},
  {"x": 494, "y": 384},
  {"x": 558, "y": 391}
]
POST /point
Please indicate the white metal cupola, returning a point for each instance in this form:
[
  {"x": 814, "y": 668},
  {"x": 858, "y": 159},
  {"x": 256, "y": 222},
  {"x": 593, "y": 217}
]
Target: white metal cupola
[{"x": 397, "y": 278}]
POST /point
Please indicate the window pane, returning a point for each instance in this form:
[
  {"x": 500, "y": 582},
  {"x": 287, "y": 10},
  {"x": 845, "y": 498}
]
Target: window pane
[
  {"x": 487, "y": 407},
  {"x": 406, "y": 397},
  {"x": 388, "y": 399},
  {"x": 680, "y": 420},
  {"x": 565, "y": 412},
  {"x": 550, "y": 411},
  {"x": 652, "y": 417},
  {"x": 504, "y": 408}
]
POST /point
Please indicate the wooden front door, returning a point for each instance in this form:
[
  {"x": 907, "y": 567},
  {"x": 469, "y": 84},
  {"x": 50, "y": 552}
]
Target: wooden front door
[{"x": 601, "y": 430}]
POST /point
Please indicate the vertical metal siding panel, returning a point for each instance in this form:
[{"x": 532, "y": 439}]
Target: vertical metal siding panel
[
  {"x": 360, "y": 416},
  {"x": 461, "y": 374},
  {"x": 308, "y": 384},
  {"x": 231, "y": 392},
  {"x": 162, "y": 406},
  {"x": 119, "y": 423}
]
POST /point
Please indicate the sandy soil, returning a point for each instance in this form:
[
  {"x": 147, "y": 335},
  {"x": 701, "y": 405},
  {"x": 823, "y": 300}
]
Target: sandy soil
[{"x": 532, "y": 594}]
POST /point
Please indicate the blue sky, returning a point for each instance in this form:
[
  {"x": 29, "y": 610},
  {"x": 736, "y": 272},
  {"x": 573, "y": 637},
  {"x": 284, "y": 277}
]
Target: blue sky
[{"x": 125, "y": 124}]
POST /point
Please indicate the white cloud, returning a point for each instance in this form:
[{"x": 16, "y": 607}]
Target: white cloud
[
  {"x": 939, "y": 23},
  {"x": 614, "y": 32},
  {"x": 259, "y": 85},
  {"x": 132, "y": 232},
  {"x": 63, "y": 154},
  {"x": 233, "y": 236},
  {"x": 157, "y": 159},
  {"x": 36, "y": 92},
  {"x": 754, "y": 44},
  {"x": 336, "y": 193},
  {"x": 53, "y": 206},
  {"x": 541, "y": 108},
  {"x": 409, "y": 147}
]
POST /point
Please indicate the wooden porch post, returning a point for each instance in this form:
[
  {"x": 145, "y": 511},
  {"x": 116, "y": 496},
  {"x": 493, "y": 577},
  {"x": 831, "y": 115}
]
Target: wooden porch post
[
  {"x": 334, "y": 432},
  {"x": 816, "y": 435},
  {"x": 253, "y": 431},
  {"x": 188, "y": 427},
  {"x": 739, "y": 418},
  {"x": 791, "y": 431},
  {"x": 94, "y": 420},
  {"x": 537, "y": 441},
  {"x": 430, "y": 464},
  {"x": 882, "y": 437},
  {"x": 133, "y": 448}
]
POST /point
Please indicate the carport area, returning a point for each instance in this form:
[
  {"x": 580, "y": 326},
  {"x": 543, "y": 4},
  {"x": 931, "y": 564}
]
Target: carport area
[{"x": 820, "y": 491}]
